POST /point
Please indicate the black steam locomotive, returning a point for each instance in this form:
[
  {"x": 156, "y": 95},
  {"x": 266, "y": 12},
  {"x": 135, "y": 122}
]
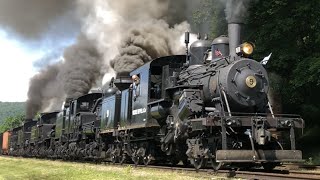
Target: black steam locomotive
[{"x": 209, "y": 107}]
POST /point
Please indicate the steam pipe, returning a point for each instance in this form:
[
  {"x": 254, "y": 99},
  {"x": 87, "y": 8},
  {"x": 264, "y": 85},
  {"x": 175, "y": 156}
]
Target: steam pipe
[
  {"x": 270, "y": 108},
  {"x": 186, "y": 41},
  {"x": 227, "y": 103}
]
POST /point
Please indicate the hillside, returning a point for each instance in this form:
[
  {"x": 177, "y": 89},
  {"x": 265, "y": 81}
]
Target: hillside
[{"x": 11, "y": 109}]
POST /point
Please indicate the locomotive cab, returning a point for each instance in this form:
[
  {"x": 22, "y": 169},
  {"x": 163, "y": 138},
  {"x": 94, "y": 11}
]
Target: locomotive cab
[
  {"x": 46, "y": 125},
  {"x": 110, "y": 110},
  {"x": 155, "y": 77},
  {"x": 79, "y": 113}
]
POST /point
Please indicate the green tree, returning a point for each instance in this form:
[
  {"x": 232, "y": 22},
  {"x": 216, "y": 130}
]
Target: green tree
[
  {"x": 11, "y": 109},
  {"x": 291, "y": 31},
  {"x": 11, "y": 122},
  {"x": 210, "y": 13}
]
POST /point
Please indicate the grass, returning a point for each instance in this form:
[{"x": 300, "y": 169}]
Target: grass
[{"x": 37, "y": 169}]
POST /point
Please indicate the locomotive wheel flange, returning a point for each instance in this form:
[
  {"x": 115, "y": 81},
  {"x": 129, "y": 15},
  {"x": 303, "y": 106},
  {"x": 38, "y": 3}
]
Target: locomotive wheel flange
[
  {"x": 216, "y": 165},
  {"x": 123, "y": 158},
  {"x": 135, "y": 159},
  {"x": 114, "y": 159},
  {"x": 147, "y": 159},
  {"x": 199, "y": 162}
]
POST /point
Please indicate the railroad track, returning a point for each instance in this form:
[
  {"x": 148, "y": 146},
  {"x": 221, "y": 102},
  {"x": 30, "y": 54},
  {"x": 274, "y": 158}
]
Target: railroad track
[
  {"x": 309, "y": 167},
  {"x": 283, "y": 173},
  {"x": 254, "y": 174},
  {"x": 301, "y": 166},
  {"x": 277, "y": 175}
]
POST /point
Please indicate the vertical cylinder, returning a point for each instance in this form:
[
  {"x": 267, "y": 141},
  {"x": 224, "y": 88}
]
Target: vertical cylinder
[{"x": 234, "y": 30}]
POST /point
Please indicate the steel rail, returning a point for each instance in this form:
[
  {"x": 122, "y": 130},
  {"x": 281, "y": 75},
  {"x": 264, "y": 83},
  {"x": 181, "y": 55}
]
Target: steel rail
[{"x": 254, "y": 174}]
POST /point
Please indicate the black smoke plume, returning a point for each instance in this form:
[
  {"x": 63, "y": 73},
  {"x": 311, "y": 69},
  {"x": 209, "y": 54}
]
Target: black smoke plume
[
  {"x": 148, "y": 34},
  {"x": 144, "y": 44},
  {"x": 81, "y": 68},
  {"x": 43, "y": 88},
  {"x": 71, "y": 78},
  {"x": 115, "y": 34}
]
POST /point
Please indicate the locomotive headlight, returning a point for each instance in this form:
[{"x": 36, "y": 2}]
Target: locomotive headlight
[{"x": 245, "y": 49}]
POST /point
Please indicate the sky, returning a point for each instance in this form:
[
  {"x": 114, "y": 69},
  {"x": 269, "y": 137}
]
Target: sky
[
  {"x": 33, "y": 34},
  {"x": 16, "y": 68},
  {"x": 20, "y": 60}
]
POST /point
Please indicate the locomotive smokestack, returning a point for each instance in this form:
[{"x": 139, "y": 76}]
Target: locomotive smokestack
[
  {"x": 234, "y": 30},
  {"x": 236, "y": 11}
]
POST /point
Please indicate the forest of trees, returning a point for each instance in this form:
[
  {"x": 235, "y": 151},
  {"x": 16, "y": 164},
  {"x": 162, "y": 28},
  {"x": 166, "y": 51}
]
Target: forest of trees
[
  {"x": 11, "y": 115},
  {"x": 291, "y": 31}
]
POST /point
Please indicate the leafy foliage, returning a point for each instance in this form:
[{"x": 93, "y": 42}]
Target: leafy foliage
[
  {"x": 210, "y": 12},
  {"x": 11, "y": 122},
  {"x": 11, "y": 115},
  {"x": 291, "y": 31}
]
